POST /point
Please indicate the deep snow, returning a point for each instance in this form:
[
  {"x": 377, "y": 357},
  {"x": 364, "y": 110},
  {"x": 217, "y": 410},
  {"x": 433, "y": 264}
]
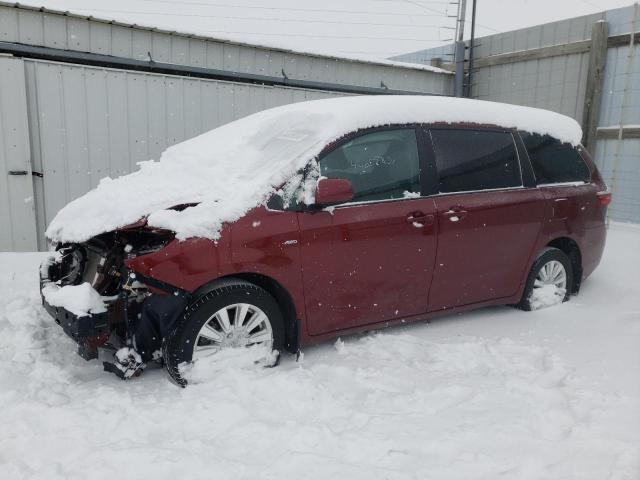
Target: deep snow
[
  {"x": 237, "y": 166},
  {"x": 496, "y": 393}
]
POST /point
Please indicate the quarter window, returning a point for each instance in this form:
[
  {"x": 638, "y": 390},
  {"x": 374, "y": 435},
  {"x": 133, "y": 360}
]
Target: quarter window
[
  {"x": 554, "y": 161},
  {"x": 470, "y": 160},
  {"x": 380, "y": 165}
]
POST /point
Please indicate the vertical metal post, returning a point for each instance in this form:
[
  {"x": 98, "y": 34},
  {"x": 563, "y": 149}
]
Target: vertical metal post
[
  {"x": 471, "y": 49},
  {"x": 595, "y": 80},
  {"x": 462, "y": 12},
  {"x": 458, "y": 86},
  {"x": 459, "y": 50}
]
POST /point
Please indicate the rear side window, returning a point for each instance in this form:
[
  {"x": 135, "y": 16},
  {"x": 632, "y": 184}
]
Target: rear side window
[
  {"x": 554, "y": 161},
  {"x": 380, "y": 165},
  {"x": 469, "y": 160}
]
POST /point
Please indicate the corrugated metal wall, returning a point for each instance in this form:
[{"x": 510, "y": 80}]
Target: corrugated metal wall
[
  {"x": 558, "y": 83},
  {"x": 88, "y": 123},
  {"x": 77, "y": 123},
  {"x": 619, "y": 159},
  {"x": 17, "y": 224},
  {"x": 69, "y": 32}
]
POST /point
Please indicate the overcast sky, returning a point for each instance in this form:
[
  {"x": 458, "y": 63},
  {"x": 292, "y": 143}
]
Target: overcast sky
[{"x": 362, "y": 28}]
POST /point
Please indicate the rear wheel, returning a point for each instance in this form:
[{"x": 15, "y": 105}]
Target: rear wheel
[
  {"x": 236, "y": 314},
  {"x": 550, "y": 281}
]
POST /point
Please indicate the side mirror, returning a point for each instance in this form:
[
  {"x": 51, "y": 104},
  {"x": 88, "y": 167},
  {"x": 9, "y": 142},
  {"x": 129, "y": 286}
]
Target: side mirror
[{"x": 333, "y": 190}]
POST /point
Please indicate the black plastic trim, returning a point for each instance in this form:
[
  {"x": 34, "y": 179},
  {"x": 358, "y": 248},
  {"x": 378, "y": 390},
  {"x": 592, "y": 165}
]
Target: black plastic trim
[{"x": 109, "y": 61}]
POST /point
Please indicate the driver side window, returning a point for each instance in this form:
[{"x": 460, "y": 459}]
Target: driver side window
[{"x": 380, "y": 165}]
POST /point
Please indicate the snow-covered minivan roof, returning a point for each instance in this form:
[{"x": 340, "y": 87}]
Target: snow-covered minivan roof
[{"x": 236, "y": 167}]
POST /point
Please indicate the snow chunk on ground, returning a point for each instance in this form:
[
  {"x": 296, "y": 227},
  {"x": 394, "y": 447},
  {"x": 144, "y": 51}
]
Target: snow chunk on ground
[
  {"x": 80, "y": 299},
  {"x": 546, "y": 296},
  {"x": 237, "y": 166},
  {"x": 227, "y": 361}
]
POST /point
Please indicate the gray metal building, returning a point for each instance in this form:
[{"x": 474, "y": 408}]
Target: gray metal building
[
  {"x": 82, "y": 99},
  {"x": 586, "y": 67}
]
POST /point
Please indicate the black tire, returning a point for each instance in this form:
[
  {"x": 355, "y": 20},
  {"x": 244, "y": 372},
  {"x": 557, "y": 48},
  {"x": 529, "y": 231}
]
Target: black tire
[
  {"x": 546, "y": 255},
  {"x": 178, "y": 346}
]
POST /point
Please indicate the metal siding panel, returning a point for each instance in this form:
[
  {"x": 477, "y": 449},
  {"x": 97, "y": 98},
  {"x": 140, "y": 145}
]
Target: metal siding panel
[
  {"x": 75, "y": 122},
  {"x": 215, "y": 55},
  {"x": 509, "y": 42},
  {"x": 30, "y": 27},
  {"x": 161, "y": 47},
  {"x": 141, "y": 44},
  {"x": 619, "y": 165},
  {"x": 179, "y": 50},
  {"x": 33, "y": 114},
  {"x": 534, "y": 37},
  {"x": 197, "y": 52},
  {"x": 157, "y": 115},
  {"x": 17, "y": 200},
  {"x": 52, "y": 137},
  {"x": 247, "y": 60},
  {"x": 55, "y": 29},
  {"x": 520, "y": 40},
  {"x": 241, "y": 105},
  {"x": 118, "y": 123},
  {"x": 78, "y": 37},
  {"x": 276, "y": 63},
  {"x": 192, "y": 108},
  {"x": 257, "y": 97},
  {"x": 298, "y": 96},
  {"x": 576, "y": 29},
  {"x": 137, "y": 113},
  {"x": 97, "y": 124},
  {"x": 621, "y": 19},
  {"x": 231, "y": 55},
  {"x": 225, "y": 103},
  {"x": 262, "y": 60},
  {"x": 582, "y": 86},
  {"x": 175, "y": 111},
  {"x": 209, "y": 100},
  {"x": 120, "y": 41},
  {"x": 100, "y": 35},
  {"x": 548, "y": 34},
  {"x": 9, "y": 24}
]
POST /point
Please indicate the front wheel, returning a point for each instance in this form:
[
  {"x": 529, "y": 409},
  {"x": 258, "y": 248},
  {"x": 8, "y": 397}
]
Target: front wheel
[
  {"x": 550, "y": 281},
  {"x": 236, "y": 314}
]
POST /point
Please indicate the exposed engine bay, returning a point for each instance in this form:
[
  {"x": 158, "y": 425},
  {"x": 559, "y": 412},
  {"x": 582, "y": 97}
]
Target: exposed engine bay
[{"x": 101, "y": 262}]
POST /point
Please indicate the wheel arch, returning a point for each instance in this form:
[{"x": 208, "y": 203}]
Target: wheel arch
[
  {"x": 572, "y": 250},
  {"x": 276, "y": 290}
]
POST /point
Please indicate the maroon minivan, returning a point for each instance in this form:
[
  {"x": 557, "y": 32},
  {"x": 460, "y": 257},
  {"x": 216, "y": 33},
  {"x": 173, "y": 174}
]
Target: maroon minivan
[{"x": 409, "y": 221}]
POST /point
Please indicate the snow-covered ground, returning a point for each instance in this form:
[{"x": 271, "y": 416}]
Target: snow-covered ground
[{"x": 552, "y": 394}]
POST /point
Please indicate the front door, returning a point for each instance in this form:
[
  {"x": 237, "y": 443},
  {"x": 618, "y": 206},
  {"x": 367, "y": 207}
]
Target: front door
[
  {"x": 488, "y": 221},
  {"x": 370, "y": 260}
]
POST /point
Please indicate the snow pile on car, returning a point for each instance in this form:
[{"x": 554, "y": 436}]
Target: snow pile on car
[{"x": 236, "y": 167}]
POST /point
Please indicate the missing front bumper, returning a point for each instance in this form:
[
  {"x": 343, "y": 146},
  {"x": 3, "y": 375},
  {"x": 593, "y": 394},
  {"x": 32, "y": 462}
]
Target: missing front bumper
[{"x": 89, "y": 331}]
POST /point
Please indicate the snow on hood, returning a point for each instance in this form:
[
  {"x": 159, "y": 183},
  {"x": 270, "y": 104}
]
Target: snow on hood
[{"x": 237, "y": 166}]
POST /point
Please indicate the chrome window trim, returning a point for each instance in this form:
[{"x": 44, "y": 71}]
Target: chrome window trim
[
  {"x": 519, "y": 187},
  {"x": 564, "y": 184},
  {"x": 366, "y": 202}
]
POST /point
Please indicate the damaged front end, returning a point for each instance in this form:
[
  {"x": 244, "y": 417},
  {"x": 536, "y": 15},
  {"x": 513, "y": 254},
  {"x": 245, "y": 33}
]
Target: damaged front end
[{"x": 101, "y": 262}]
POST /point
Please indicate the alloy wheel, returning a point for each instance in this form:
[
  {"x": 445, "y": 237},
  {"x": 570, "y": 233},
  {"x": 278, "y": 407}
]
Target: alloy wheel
[
  {"x": 236, "y": 325},
  {"x": 552, "y": 273}
]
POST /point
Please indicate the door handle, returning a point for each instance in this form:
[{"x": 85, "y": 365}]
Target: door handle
[
  {"x": 419, "y": 219},
  {"x": 455, "y": 214}
]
